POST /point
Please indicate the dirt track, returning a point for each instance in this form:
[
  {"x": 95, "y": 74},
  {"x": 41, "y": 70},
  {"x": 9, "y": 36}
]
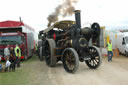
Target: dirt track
[{"x": 110, "y": 73}]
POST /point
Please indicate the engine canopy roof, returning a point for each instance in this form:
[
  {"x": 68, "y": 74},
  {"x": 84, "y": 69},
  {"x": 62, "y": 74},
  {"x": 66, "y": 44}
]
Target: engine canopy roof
[{"x": 60, "y": 25}]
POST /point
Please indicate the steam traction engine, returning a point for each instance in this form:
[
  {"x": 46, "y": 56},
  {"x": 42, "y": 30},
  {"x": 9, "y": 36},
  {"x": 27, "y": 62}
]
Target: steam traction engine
[{"x": 66, "y": 41}]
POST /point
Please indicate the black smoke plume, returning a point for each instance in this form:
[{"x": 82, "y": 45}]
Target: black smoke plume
[{"x": 65, "y": 9}]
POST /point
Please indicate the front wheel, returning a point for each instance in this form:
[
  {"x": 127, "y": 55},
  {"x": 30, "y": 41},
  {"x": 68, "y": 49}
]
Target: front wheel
[
  {"x": 70, "y": 60},
  {"x": 96, "y": 58}
]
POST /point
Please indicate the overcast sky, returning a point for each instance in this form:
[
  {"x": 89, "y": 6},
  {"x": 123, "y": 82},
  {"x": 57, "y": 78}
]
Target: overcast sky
[{"x": 109, "y": 13}]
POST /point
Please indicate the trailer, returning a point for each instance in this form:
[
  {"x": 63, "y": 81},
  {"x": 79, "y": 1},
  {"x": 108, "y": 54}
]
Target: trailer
[{"x": 15, "y": 32}]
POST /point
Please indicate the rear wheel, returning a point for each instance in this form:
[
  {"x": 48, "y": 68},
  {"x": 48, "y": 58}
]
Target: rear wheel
[
  {"x": 96, "y": 58},
  {"x": 25, "y": 55},
  {"x": 40, "y": 54},
  {"x": 49, "y": 52},
  {"x": 126, "y": 53},
  {"x": 70, "y": 60}
]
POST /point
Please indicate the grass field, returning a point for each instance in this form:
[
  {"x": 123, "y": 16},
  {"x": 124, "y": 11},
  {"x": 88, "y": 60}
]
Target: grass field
[{"x": 20, "y": 76}]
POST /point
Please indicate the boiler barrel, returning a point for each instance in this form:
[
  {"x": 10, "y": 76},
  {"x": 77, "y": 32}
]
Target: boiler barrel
[{"x": 86, "y": 31}]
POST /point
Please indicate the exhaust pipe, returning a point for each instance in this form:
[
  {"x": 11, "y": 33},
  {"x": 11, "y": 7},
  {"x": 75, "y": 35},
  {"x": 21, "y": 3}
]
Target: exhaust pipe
[{"x": 77, "y": 18}]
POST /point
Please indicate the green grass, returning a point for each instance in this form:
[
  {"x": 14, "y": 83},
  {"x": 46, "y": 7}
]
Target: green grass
[
  {"x": 19, "y": 77},
  {"x": 14, "y": 78}
]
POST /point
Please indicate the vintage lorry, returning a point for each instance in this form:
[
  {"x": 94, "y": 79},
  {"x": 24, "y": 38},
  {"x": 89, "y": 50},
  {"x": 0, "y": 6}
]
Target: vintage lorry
[
  {"x": 66, "y": 41},
  {"x": 16, "y": 32}
]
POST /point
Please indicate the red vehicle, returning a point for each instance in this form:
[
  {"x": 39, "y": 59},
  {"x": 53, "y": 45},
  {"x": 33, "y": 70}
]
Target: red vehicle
[{"x": 14, "y": 32}]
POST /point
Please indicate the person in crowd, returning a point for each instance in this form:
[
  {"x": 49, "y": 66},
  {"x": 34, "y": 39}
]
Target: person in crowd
[
  {"x": 8, "y": 65},
  {"x": 109, "y": 49},
  {"x": 6, "y": 52},
  {"x": 11, "y": 54},
  {"x": 12, "y": 58},
  {"x": 36, "y": 49},
  {"x": 18, "y": 55}
]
